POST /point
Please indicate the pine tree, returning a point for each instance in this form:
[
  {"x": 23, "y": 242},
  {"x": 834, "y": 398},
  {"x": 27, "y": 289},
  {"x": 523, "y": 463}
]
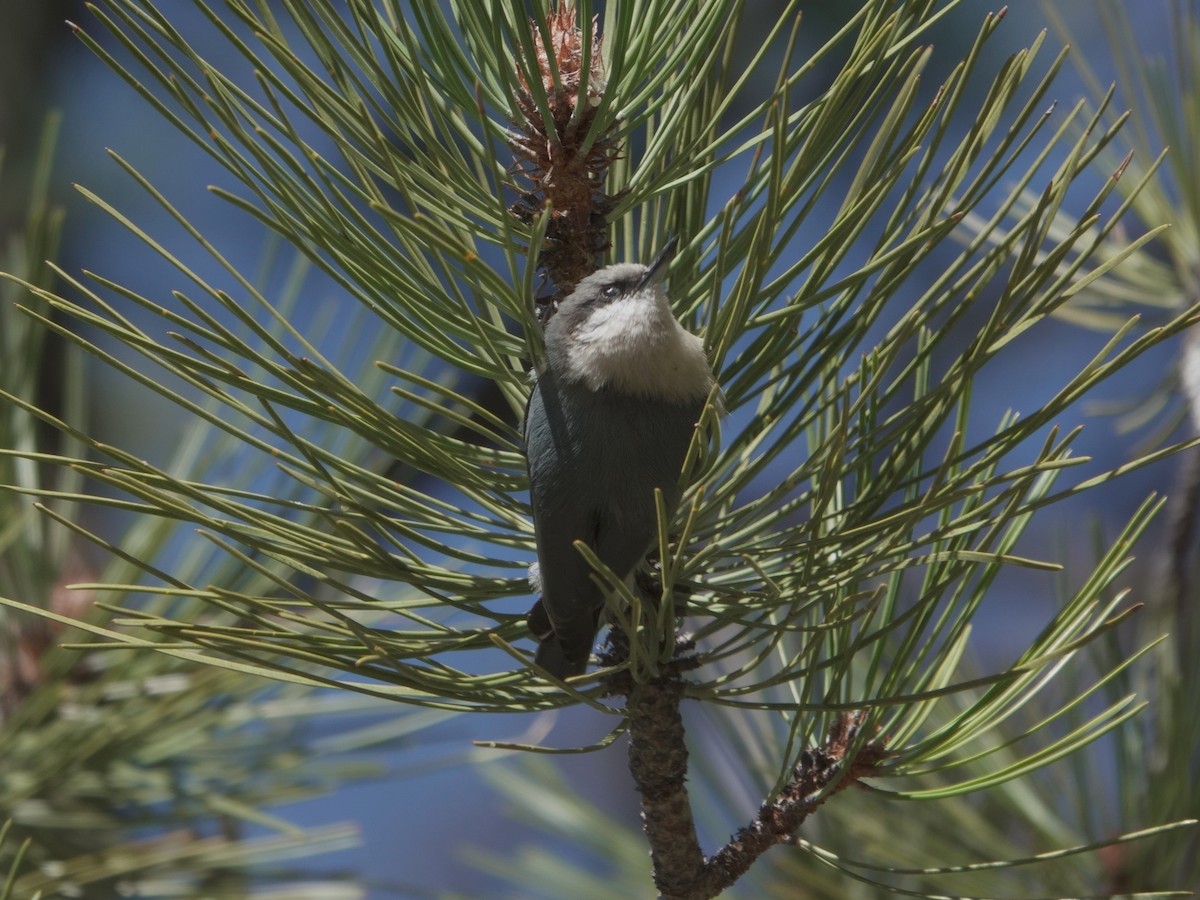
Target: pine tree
[{"x": 455, "y": 171}]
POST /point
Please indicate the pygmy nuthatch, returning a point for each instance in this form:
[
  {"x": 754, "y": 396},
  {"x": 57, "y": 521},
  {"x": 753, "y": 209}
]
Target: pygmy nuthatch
[{"x": 609, "y": 420}]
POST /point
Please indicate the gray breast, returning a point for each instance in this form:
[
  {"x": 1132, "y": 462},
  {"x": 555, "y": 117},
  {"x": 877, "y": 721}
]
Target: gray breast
[{"x": 604, "y": 448}]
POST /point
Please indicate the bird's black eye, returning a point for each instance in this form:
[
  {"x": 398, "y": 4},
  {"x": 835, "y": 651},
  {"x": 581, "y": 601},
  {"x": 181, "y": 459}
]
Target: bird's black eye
[{"x": 610, "y": 291}]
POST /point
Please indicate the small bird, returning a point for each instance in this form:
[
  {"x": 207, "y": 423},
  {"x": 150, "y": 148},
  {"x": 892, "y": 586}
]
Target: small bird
[{"x": 610, "y": 419}]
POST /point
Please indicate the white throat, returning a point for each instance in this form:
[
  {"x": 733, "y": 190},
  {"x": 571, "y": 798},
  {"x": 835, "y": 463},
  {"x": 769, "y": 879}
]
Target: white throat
[{"x": 636, "y": 346}]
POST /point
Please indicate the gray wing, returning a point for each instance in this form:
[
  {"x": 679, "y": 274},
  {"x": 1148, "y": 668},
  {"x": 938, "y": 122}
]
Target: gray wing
[
  {"x": 594, "y": 459},
  {"x": 566, "y": 617}
]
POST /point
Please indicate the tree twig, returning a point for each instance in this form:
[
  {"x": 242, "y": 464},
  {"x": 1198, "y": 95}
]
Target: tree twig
[
  {"x": 821, "y": 773},
  {"x": 658, "y": 762}
]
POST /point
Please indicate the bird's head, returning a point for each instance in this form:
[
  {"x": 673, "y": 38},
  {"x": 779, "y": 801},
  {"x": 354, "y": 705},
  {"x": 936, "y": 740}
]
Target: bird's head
[{"x": 616, "y": 330}]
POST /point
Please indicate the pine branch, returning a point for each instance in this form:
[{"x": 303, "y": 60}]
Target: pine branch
[
  {"x": 658, "y": 761},
  {"x": 839, "y": 542},
  {"x": 841, "y": 762}
]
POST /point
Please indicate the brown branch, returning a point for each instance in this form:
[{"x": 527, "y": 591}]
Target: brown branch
[
  {"x": 820, "y": 774},
  {"x": 658, "y": 763},
  {"x": 560, "y": 162}
]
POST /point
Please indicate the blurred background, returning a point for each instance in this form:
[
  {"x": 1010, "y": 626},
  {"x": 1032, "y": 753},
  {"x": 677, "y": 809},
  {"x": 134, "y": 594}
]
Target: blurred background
[{"x": 428, "y": 805}]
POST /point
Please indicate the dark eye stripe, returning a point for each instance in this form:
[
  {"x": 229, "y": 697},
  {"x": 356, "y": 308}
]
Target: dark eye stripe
[{"x": 613, "y": 290}]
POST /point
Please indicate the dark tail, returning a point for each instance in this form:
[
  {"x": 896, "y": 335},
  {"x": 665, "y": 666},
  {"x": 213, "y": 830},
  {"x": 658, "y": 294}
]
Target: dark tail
[{"x": 552, "y": 656}]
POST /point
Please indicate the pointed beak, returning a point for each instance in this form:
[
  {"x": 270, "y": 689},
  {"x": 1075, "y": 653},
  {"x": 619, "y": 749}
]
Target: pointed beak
[{"x": 658, "y": 268}]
